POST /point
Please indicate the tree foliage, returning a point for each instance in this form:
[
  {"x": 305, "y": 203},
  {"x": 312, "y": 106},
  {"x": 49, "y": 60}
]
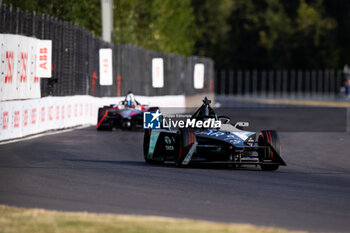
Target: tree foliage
[
  {"x": 274, "y": 34},
  {"x": 86, "y": 13},
  {"x": 164, "y": 25},
  {"x": 211, "y": 19},
  {"x": 235, "y": 33}
]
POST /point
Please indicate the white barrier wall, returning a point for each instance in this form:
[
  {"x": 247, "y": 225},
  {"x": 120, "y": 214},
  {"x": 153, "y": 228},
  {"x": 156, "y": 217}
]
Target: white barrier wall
[
  {"x": 20, "y": 63},
  {"x": 26, "y": 117}
]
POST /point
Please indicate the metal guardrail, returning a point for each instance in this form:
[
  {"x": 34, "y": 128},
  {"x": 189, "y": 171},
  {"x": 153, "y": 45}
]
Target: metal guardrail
[
  {"x": 75, "y": 60},
  {"x": 280, "y": 83}
]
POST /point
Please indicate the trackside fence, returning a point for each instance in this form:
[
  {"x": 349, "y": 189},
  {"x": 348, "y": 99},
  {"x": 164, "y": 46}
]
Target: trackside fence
[
  {"x": 280, "y": 83},
  {"x": 75, "y": 61}
]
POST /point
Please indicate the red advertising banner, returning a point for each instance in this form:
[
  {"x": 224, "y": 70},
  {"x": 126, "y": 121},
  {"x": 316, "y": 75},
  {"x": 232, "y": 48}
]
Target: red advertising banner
[{"x": 21, "y": 65}]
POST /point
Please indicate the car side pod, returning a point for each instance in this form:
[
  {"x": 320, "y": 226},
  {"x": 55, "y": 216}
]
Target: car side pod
[{"x": 269, "y": 151}]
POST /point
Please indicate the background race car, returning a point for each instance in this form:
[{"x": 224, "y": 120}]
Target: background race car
[
  {"x": 128, "y": 114},
  {"x": 225, "y": 144}
]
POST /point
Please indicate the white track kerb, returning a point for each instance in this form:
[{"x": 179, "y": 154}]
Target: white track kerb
[{"x": 27, "y": 117}]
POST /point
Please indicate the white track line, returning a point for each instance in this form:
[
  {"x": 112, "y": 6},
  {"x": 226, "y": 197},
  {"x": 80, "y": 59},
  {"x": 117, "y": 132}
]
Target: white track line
[{"x": 45, "y": 134}]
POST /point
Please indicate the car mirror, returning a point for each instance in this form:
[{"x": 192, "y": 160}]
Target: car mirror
[{"x": 224, "y": 119}]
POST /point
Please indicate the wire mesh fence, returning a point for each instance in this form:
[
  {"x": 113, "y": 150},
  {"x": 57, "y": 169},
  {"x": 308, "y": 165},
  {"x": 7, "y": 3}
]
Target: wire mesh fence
[
  {"x": 75, "y": 60},
  {"x": 280, "y": 83}
]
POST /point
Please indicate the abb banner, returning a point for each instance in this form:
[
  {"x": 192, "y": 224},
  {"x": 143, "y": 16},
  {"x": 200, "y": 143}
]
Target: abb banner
[
  {"x": 157, "y": 73},
  {"x": 19, "y": 77},
  {"x": 198, "y": 76},
  {"x": 44, "y": 57},
  {"x": 22, "y": 118},
  {"x": 106, "y": 71},
  {"x": 27, "y": 117}
]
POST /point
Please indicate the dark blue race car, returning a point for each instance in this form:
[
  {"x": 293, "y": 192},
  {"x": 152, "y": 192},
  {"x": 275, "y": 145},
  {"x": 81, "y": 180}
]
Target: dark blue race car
[{"x": 225, "y": 144}]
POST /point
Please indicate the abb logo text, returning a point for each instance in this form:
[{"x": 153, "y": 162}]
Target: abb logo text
[
  {"x": 33, "y": 116},
  {"x": 43, "y": 58},
  {"x": 81, "y": 109},
  {"x": 50, "y": 113},
  {"x": 105, "y": 65},
  {"x": 24, "y": 59},
  {"x": 25, "y": 118},
  {"x": 10, "y": 62},
  {"x": 42, "y": 114},
  {"x": 62, "y": 112},
  {"x": 16, "y": 119},
  {"x": 5, "y": 120},
  {"x": 75, "y": 110},
  {"x": 69, "y": 110},
  {"x": 57, "y": 112}
]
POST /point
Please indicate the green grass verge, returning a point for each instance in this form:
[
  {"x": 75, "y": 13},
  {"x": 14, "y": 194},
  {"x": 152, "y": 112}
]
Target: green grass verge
[{"x": 20, "y": 220}]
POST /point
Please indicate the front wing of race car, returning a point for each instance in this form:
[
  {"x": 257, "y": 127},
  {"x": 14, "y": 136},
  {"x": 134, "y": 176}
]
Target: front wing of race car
[
  {"x": 159, "y": 145},
  {"x": 186, "y": 146},
  {"x": 109, "y": 118}
]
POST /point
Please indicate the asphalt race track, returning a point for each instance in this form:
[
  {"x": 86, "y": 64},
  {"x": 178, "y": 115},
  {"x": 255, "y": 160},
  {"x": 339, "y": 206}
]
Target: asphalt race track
[{"x": 87, "y": 170}]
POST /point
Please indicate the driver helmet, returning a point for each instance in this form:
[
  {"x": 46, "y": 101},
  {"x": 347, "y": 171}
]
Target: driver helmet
[{"x": 130, "y": 99}]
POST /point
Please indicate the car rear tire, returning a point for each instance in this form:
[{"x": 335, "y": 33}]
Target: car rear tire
[
  {"x": 267, "y": 137},
  {"x": 184, "y": 141}
]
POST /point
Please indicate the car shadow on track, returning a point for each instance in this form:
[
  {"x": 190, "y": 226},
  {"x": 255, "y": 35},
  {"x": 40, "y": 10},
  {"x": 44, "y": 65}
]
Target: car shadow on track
[
  {"x": 167, "y": 164},
  {"x": 119, "y": 162}
]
